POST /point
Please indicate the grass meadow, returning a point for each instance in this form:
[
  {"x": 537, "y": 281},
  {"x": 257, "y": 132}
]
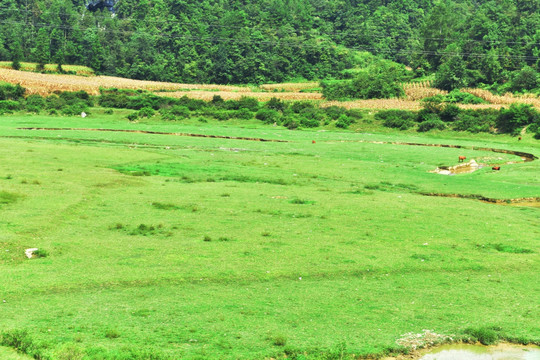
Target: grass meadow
[{"x": 176, "y": 247}]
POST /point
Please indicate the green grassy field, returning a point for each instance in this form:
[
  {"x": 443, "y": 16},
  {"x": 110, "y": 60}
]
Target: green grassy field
[{"x": 162, "y": 246}]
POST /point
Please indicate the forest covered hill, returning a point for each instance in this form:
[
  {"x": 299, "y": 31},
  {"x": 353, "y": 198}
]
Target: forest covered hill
[{"x": 464, "y": 42}]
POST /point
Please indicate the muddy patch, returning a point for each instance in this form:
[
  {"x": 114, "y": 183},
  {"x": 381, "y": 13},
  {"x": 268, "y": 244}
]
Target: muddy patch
[
  {"x": 529, "y": 201},
  {"x": 463, "y": 168},
  {"x": 476, "y": 352}
]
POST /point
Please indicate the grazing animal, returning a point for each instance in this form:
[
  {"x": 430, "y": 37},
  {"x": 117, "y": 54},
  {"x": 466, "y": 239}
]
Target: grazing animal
[
  {"x": 461, "y": 158},
  {"x": 519, "y": 138},
  {"x": 313, "y": 141},
  {"x": 496, "y": 168}
]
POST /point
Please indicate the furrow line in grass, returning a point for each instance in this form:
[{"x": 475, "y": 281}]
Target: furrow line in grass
[
  {"x": 525, "y": 156},
  {"x": 158, "y": 133},
  {"x": 243, "y": 281},
  {"x": 484, "y": 198}
]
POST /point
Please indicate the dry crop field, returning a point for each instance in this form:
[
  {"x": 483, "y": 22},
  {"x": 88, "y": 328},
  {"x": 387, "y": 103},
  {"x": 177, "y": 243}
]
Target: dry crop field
[{"x": 45, "y": 84}]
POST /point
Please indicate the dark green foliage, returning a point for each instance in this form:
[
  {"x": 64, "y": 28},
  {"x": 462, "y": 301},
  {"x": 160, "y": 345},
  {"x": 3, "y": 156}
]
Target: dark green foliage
[
  {"x": 432, "y": 124},
  {"x": 365, "y": 85},
  {"x": 35, "y": 103},
  {"x": 526, "y": 79},
  {"x": 217, "y": 100},
  {"x": 456, "y": 96},
  {"x": 510, "y": 249},
  {"x": 40, "y": 253},
  {"x": 147, "y": 112},
  {"x": 475, "y": 121},
  {"x": 249, "y": 103},
  {"x": 180, "y": 111},
  {"x": 512, "y": 120},
  {"x": 11, "y": 92},
  {"x": 309, "y": 123},
  {"x": 17, "y": 339},
  {"x": 399, "y": 119},
  {"x": 8, "y": 106},
  {"x": 133, "y": 116},
  {"x": 164, "y": 206},
  {"x": 268, "y": 116},
  {"x": 343, "y": 121},
  {"x": 485, "y": 335},
  {"x": 298, "y": 106},
  {"x": 276, "y": 104},
  {"x": 243, "y": 113},
  {"x": 449, "y": 113}
]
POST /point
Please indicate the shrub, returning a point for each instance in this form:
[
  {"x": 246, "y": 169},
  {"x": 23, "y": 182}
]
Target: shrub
[
  {"x": 276, "y": 104},
  {"x": 147, "y": 112},
  {"x": 220, "y": 115},
  {"x": 35, "y": 101},
  {"x": 267, "y": 116},
  {"x": 133, "y": 116},
  {"x": 108, "y": 112},
  {"x": 298, "y": 106},
  {"x": 11, "y": 92},
  {"x": 17, "y": 339},
  {"x": 449, "y": 113},
  {"x": 485, "y": 335},
  {"x": 366, "y": 85},
  {"x": 526, "y": 79},
  {"x": 243, "y": 113},
  {"x": 343, "y": 121},
  {"x": 516, "y": 117},
  {"x": 399, "y": 119},
  {"x": 313, "y": 113},
  {"x": 248, "y": 103},
  {"x": 40, "y": 253},
  {"x": 8, "y": 106},
  {"x": 75, "y": 109},
  {"x": 309, "y": 123},
  {"x": 430, "y": 125},
  {"x": 290, "y": 122},
  {"x": 217, "y": 100}
]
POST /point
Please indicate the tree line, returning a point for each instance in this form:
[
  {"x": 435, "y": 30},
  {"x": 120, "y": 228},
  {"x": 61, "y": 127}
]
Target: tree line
[{"x": 463, "y": 42}]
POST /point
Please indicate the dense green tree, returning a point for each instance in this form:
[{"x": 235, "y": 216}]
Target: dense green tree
[{"x": 43, "y": 52}]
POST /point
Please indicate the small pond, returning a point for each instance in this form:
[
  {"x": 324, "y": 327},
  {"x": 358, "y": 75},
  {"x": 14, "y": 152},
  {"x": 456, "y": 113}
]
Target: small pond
[{"x": 475, "y": 352}]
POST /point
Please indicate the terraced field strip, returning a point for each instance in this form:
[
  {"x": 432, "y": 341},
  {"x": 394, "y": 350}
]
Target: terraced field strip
[
  {"x": 235, "y": 95},
  {"x": 294, "y": 87}
]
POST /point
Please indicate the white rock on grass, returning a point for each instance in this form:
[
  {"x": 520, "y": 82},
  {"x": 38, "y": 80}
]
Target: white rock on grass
[{"x": 30, "y": 252}]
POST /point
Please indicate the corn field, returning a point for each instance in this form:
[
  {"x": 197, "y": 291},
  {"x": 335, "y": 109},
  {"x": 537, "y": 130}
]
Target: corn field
[{"x": 45, "y": 84}]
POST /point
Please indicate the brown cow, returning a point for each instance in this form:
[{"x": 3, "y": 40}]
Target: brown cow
[
  {"x": 496, "y": 168},
  {"x": 461, "y": 158},
  {"x": 313, "y": 141}
]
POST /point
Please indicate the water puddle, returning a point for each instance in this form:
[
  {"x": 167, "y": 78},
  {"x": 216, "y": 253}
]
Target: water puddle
[
  {"x": 463, "y": 168},
  {"x": 476, "y": 352}
]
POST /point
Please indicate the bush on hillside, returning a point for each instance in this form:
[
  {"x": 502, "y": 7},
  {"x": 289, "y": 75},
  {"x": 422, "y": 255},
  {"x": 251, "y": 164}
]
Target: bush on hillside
[
  {"x": 512, "y": 120},
  {"x": 431, "y": 125},
  {"x": 398, "y": 119},
  {"x": 11, "y": 92},
  {"x": 364, "y": 86},
  {"x": 267, "y": 116}
]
